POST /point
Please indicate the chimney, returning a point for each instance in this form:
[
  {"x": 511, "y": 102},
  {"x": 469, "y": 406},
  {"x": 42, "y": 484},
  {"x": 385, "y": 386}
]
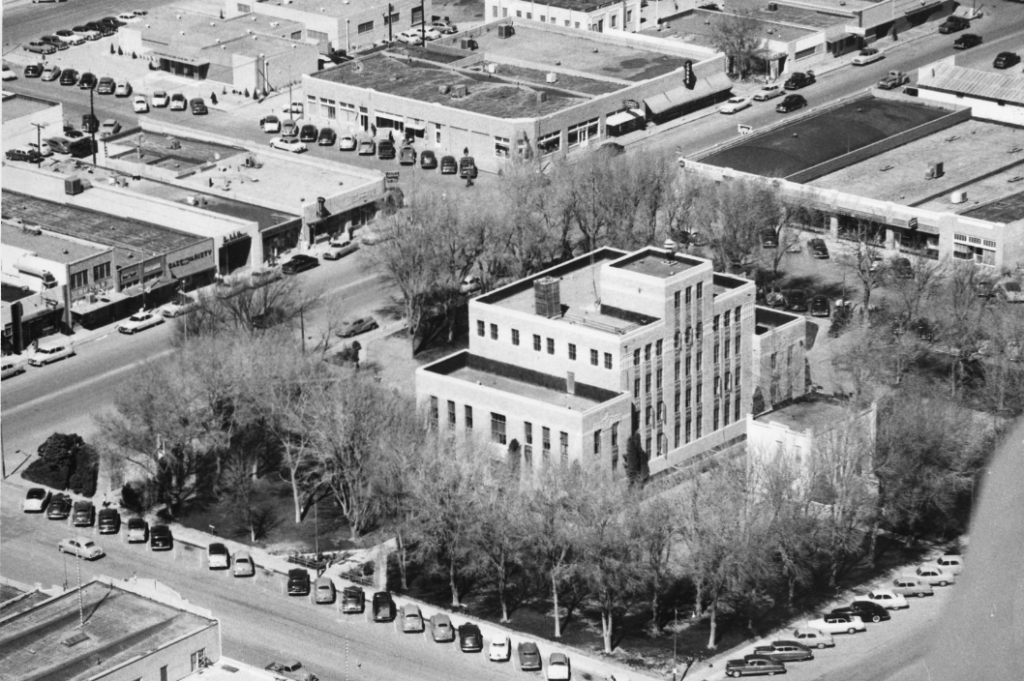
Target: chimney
[
  {"x": 547, "y": 297},
  {"x": 570, "y": 383}
]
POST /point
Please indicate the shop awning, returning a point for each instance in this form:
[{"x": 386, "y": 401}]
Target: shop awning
[
  {"x": 623, "y": 117},
  {"x": 415, "y": 126},
  {"x": 181, "y": 58},
  {"x": 659, "y": 104}
]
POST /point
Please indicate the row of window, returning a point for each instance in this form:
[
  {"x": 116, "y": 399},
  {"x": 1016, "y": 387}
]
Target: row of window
[
  {"x": 99, "y": 273},
  {"x": 612, "y": 20},
  {"x": 722, "y": 415},
  {"x": 499, "y": 430},
  {"x": 540, "y": 344}
]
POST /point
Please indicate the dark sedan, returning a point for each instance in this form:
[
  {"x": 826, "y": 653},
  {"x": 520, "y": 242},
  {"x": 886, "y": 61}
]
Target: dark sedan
[
  {"x": 60, "y": 507},
  {"x": 785, "y": 651},
  {"x": 384, "y": 609},
  {"x": 327, "y": 137},
  {"x": 27, "y": 155},
  {"x": 1005, "y": 60},
  {"x": 69, "y": 77},
  {"x": 449, "y": 166},
  {"x": 428, "y": 160},
  {"x": 87, "y": 81},
  {"x": 198, "y": 107},
  {"x": 470, "y": 638},
  {"x": 55, "y": 41},
  {"x": 386, "y": 150},
  {"x": 820, "y": 306},
  {"x": 106, "y": 86},
  {"x": 529, "y": 656},
  {"x": 353, "y": 600},
  {"x": 791, "y": 103},
  {"x": 866, "y": 610},
  {"x": 967, "y": 40},
  {"x": 109, "y": 521},
  {"x": 796, "y": 300},
  {"x": 160, "y": 538},
  {"x": 299, "y": 263},
  {"x": 407, "y": 156},
  {"x": 308, "y": 133},
  {"x": 818, "y": 248},
  {"x": 33, "y": 70}
]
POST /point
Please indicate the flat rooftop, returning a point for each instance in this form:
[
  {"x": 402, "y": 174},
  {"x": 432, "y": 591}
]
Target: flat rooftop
[
  {"x": 182, "y": 28},
  {"x": 121, "y": 624},
  {"x": 508, "y": 378},
  {"x": 982, "y": 158},
  {"x": 1007, "y": 209},
  {"x": 175, "y": 153},
  {"x": 814, "y": 139},
  {"x": 766, "y": 319},
  {"x": 130, "y": 238},
  {"x": 45, "y": 246},
  {"x": 658, "y": 264},
  {"x": 580, "y": 5},
  {"x": 812, "y": 412},
  {"x": 17, "y": 106},
  {"x": 13, "y": 600},
  {"x": 331, "y": 8},
  {"x": 697, "y": 27}
]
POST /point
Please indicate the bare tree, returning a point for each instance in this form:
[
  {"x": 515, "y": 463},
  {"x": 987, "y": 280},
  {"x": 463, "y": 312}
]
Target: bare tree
[
  {"x": 861, "y": 258},
  {"x": 739, "y": 36},
  {"x": 500, "y": 536},
  {"x": 656, "y": 527}
]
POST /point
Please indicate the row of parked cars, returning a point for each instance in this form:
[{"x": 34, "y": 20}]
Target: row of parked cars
[
  {"x": 873, "y": 607},
  {"x": 89, "y": 31}
]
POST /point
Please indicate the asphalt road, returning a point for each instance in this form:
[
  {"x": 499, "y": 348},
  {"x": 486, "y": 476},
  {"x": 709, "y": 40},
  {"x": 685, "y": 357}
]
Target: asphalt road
[
  {"x": 25, "y": 22},
  {"x": 259, "y": 624}
]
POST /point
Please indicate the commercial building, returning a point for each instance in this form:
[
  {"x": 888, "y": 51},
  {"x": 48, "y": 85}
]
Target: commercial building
[
  {"x": 572, "y": 361},
  {"x": 515, "y": 87},
  {"x": 133, "y": 629},
  {"x": 599, "y": 16},
  {"x": 246, "y": 52},
  {"x": 992, "y": 96},
  {"x": 29, "y": 120},
  {"x": 344, "y": 26}
]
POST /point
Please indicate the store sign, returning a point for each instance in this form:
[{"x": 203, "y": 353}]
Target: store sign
[
  {"x": 190, "y": 260},
  {"x": 127, "y": 276},
  {"x": 391, "y": 176}
]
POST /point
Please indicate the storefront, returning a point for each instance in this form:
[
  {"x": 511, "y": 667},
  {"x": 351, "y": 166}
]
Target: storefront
[{"x": 192, "y": 267}]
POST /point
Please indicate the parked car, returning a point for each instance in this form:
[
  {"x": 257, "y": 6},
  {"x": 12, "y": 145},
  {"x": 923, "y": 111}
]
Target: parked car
[
  {"x": 298, "y": 582},
  {"x": 867, "y": 611},
  {"x": 791, "y": 103},
  {"x": 837, "y": 624},
  {"x": 911, "y": 586},
  {"x": 108, "y": 128},
  {"x": 198, "y": 106},
  {"x": 353, "y": 600},
  {"x": 902, "y": 269},
  {"x": 270, "y": 124},
  {"x": 123, "y": 89},
  {"x": 55, "y": 41},
  {"x": 68, "y": 77},
  {"x": 138, "y": 530},
  {"x": 818, "y": 249},
  {"x": 84, "y": 514},
  {"x": 449, "y": 166},
  {"x": 50, "y": 73},
  {"x": 217, "y": 556},
  {"x": 49, "y": 351},
  {"x": 769, "y": 239},
  {"x": 140, "y": 321},
  {"x": 325, "y": 593},
  {"x": 799, "y": 80},
  {"x": 308, "y": 133},
  {"x": 893, "y": 80},
  {"x": 178, "y": 102},
  {"x": 820, "y": 306},
  {"x": 1005, "y": 60},
  {"x": 327, "y": 137},
  {"x": 470, "y": 638},
  {"x": 83, "y": 547},
  {"x": 812, "y": 638},
  {"x": 951, "y": 563},
  {"x": 12, "y": 367},
  {"x": 8, "y": 73},
  {"x": 407, "y": 156},
  {"x": 160, "y": 538},
  {"x": 87, "y": 81},
  {"x": 1009, "y": 291},
  {"x": 559, "y": 668},
  {"x": 410, "y": 36},
  {"x": 357, "y": 326},
  {"x": 106, "y": 86},
  {"x": 500, "y": 649},
  {"x": 176, "y": 308},
  {"x": 70, "y": 37},
  {"x": 339, "y": 249},
  {"x": 33, "y": 70},
  {"x": 412, "y": 619},
  {"x": 753, "y": 665},
  {"x": 966, "y": 41},
  {"x": 867, "y": 56},
  {"x": 290, "y": 129},
  {"x": 243, "y": 565},
  {"x": 36, "y": 500},
  {"x": 291, "y": 671},
  {"x": 444, "y": 27},
  {"x": 887, "y": 598},
  {"x": 934, "y": 575},
  {"x": 796, "y": 300},
  {"x": 40, "y": 48},
  {"x": 735, "y": 105},
  {"x": 785, "y": 651},
  {"x": 140, "y": 104},
  {"x": 954, "y": 23},
  {"x": 383, "y": 607},
  {"x": 28, "y": 155},
  {"x": 288, "y": 144},
  {"x": 441, "y": 629},
  {"x": 428, "y": 160},
  {"x": 467, "y": 168},
  {"x": 86, "y": 33},
  {"x": 347, "y": 143},
  {"x": 109, "y": 521},
  {"x": 768, "y": 92},
  {"x": 529, "y": 656},
  {"x": 367, "y": 148},
  {"x": 299, "y": 263},
  {"x": 385, "y": 150},
  {"x": 60, "y": 507}
]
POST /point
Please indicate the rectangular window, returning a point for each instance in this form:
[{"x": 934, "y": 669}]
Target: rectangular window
[
  {"x": 700, "y": 426},
  {"x": 543, "y": 19},
  {"x": 725, "y": 413},
  {"x": 607, "y": 360},
  {"x": 658, "y": 379},
  {"x": 529, "y": 15},
  {"x": 647, "y": 384},
  {"x": 597, "y": 442},
  {"x": 163, "y": 673},
  {"x": 647, "y": 415},
  {"x": 718, "y": 386},
  {"x": 550, "y": 143},
  {"x": 327, "y": 107},
  {"x": 577, "y": 25},
  {"x": 593, "y": 357},
  {"x": 647, "y": 352},
  {"x": 689, "y": 430},
  {"x": 678, "y": 340},
  {"x": 318, "y": 36},
  {"x": 572, "y": 351},
  {"x": 101, "y": 271},
  {"x": 736, "y": 406},
  {"x": 636, "y": 389},
  {"x": 737, "y": 343},
  {"x": 498, "y": 428},
  {"x": 689, "y": 364},
  {"x": 725, "y": 317},
  {"x": 495, "y": 12},
  {"x": 736, "y": 314},
  {"x": 676, "y": 374},
  {"x": 714, "y": 425},
  {"x": 583, "y": 132},
  {"x": 700, "y": 361},
  {"x": 700, "y": 395},
  {"x": 480, "y": 327},
  {"x": 296, "y": 35},
  {"x": 676, "y": 300},
  {"x": 727, "y": 383},
  {"x": 545, "y": 442},
  {"x": 451, "y": 415},
  {"x": 551, "y": 346},
  {"x": 469, "y": 417},
  {"x": 714, "y": 323},
  {"x": 615, "y": 436},
  {"x": 393, "y": 20},
  {"x": 515, "y": 336},
  {"x": 700, "y": 332},
  {"x": 689, "y": 296},
  {"x": 675, "y": 434},
  {"x": 689, "y": 335},
  {"x": 700, "y": 291},
  {"x": 501, "y": 147},
  {"x": 519, "y": 14},
  {"x": 563, "y": 446},
  {"x": 536, "y": 342},
  {"x": 433, "y": 411},
  {"x": 364, "y": 27},
  {"x": 657, "y": 348},
  {"x": 689, "y": 394},
  {"x": 494, "y": 332},
  {"x": 728, "y": 345},
  {"x": 244, "y": 9},
  {"x": 528, "y": 432},
  {"x": 717, "y": 350},
  {"x": 614, "y": 20},
  {"x": 636, "y": 357},
  {"x": 416, "y": 16},
  {"x": 567, "y": 23},
  {"x": 773, "y": 359},
  {"x": 79, "y": 279},
  {"x": 678, "y": 402}
]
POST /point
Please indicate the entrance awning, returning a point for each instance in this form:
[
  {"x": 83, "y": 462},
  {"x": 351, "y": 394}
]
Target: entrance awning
[
  {"x": 180, "y": 58},
  {"x": 659, "y": 104},
  {"x": 623, "y": 117}
]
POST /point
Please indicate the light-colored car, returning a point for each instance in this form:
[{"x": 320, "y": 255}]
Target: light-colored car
[
  {"x": 9, "y": 73},
  {"x": 51, "y": 72},
  {"x": 243, "y": 566},
  {"x": 1009, "y": 291},
  {"x": 50, "y": 351},
  {"x": 177, "y": 308},
  {"x": 357, "y": 326},
  {"x": 128, "y": 17},
  {"x": 813, "y": 638},
  {"x": 934, "y": 575},
  {"x": 123, "y": 89},
  {"x": 441, "y": 628},
  {"x": 140, "y": 321},
  {"x": 140, "y": 104},
  {"x": 559, "y": 668},
  {"x": 951, "y": 563},
  {"x": 410, "y": 36},
  {"x": 347, "y": 143},
  {"x": 288, "y": 144},
  {"x": 108, "y": 128},
  {"x": 444, "y": 27},
  {"x": 12, "y": 367},
  {"x": 178, "y": 102},
  {"x": 768, "y": 92},
  {"x": 430, "y": 33},
  {"x": 887, "y": 598},
  {"x": 70, "y": 37},
  {"x": 43, "y": 148},
  {"x": 867, "y": 56},
  {"x": 412, "y": 619},
  {"x": 367, "y": 148},
  {"x": 500, "y": 649},
  {"x": 217, "y": 556},
  {"x": 735, "y": 105},
  {"x": 324, "y": 590},
  {"x": 36, "y": 500},
  {"x": 160, "y": 99},
  {"x": 838, "y": 624},
  {"x": 911, "y": 586},
  {"x": 83, "y": 547},
  {"x": 271, "y": 124}
]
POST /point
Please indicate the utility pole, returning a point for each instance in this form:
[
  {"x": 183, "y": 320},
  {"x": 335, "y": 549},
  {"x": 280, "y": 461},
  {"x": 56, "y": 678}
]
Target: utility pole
[
  {"x": 423, "y": 26},
  {"x": 39, "y": 139},
  {"x": 391, "y": 11},
  {"x": 675, "y": 641},
  {"x": 93, "y": 123}
]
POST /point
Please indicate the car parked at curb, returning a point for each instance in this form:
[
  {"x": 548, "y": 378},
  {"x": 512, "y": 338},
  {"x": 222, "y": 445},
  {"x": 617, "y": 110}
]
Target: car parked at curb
[
  {"x": 49, "y": 351},
  {"x": 8, "y": 73},
  {"x": 138, "y": 530},
  {"x": 384, "y": 609},
  {"x": 270, "y": 124},
  {"x": 28, "y": 155},
  {"x": 1005, "y": 60},
  {"x": 299, "y": 262},
  {"x": 12, "y": 367},
  {"x": 470, "y": 638},
  {"x": 407, "y": 156},
  {"x": 106, "y": 86},
  {"x": 934, "y": 575},
  {"x": 347, "y": 143},
  {"x": 529, "y": 656},
  {"x": 87, "y": 81},
  {"x": 50, "y": 73},
  {"x": 60, "y": 507},
  {"x": 791, "y": 103},
  {"x": 288, "y": 144},
  {"x": 108, "y": 128},
  {"x": 837, "y": 624},
  {"x": 796, "y": 300},
  {"x": 68, "y": 77},
  {"x": 357, "y": 326},
  {"x": 36, "y": 500},
  {"x": 84, "y": 514},
  {"x": 83, "y": 547},
  {"x": 298, "y": 582},
  {"x": 412, "y": 619},
  {"x": 559, "y": 667},
  {"x": 951, "y": 563},
  {"x": 500, "y": 649},
  {"x": 441, "y": 629},
  {"x": 967, "y": 41},
  {"x": 367, "y": 148},
  {"x": 161, "y": 538},
  {"x": 33, "y": 70},
  {"x": 448, "y": 166},
  {"x": 386, "y": 150},
  {"x": 108, "y": 521},
  {"x": 735, "y": 105},
  {"x": 353, "y": 600},
  {"x": 867, "y": 56},
  {"x": 799, "y": 79},
  {"x": 308, "y": 133},
  {"x": 123, "y": 89},
  {"x": 242, "y": 565},
  {"x": 140, "y": 104},
  {"x": 887, "y": 598},
  {"x": 813, "y": 638},
  {"x": 818, "y": 249},
  {"x": 785, "y": 651},
  {"x": 339, "y": 249},
  {"x": 327, "y": 137},
  {"x": 70, "y": 37},
  {"x": 198, "y": 106},
  {"x": 867, "y": 611},
  {"x": 40, "y": 48},
  {"x": 140, "y": 321},
  {"x": 428, "y": 160},
  {"x": 754, "y": 665},
  {"x": 911, "y": 586},
  {"x": 217, "y": 556},
  {"x": 820, "y": 306},
  {"x": 768, "y": 92},
  {"x": 178, "y": 102},
  {"x": 324, "y": 591}
]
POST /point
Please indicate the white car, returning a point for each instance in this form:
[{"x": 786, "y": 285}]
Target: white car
[
  {"x": 243, "y": 566},
  {"x": 951, "y": 563},
  {"x": 430, "y": 33},
  {"x": 558, "y": 667},
  {"x": 36, "y": 500},
  {"x": 272, "y": 124},
  {"x": 43, "y": 148},
  {"x": 813, "y": 638},
  {"x": 51, "y": 72},
  {"x": 160, "y": 99},
  {"x": 288, "y": 144},
  {"x": 838, "y": 624},
  {"x": 140, "y": 321},
  {"x": 410, "y": 36},
  {"x": 911, "y": 586},
  {"x": 140, "y": 104},
  {"x": 934, "y": 575},
  {"x": 347, "y": 143},
  {"x": 444, "y": 27},
  {"x": 178, "y": 102},
  {"x": 83, "y": 547},
  {"x": 868, "y": 55},
  {"x": 128, "y": 17},
  {"x": 50, "y": 351},
  {"x": 1009, "y": 291},
  {"x": 500, "y": 649},
  {"x": 768, "y": 92},
  {"x": 123, "y": 89},
  {"x": 176, "y": 309},
  {"x": 9, "y": 74},
  {"x": 70, "y": 37},
  {"x": 12, "y": 367},
  {"x": 887, "y": 598},
  {"x": 735, "y": 105}
]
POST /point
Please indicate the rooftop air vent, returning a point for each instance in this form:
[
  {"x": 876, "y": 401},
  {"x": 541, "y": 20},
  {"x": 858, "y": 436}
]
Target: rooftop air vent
[{"x": 547, "y": 297}]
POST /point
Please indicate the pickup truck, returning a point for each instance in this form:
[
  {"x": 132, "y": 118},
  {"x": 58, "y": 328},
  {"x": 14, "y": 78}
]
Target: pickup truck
[
  {"x": 290, "y": 671},
  {"x": 893, "y": 80}
]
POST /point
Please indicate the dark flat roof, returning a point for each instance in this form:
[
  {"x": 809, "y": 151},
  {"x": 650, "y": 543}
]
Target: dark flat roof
[
  {"x": 124, "y": 234},
  {"x": 656, "y": 263},
  {"x": 1007, "y": 209},
  {"x": 16, "y": 106}
]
